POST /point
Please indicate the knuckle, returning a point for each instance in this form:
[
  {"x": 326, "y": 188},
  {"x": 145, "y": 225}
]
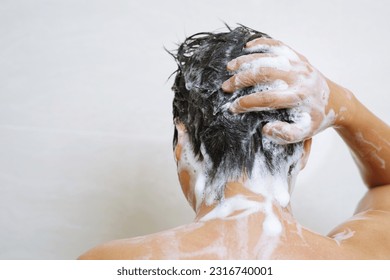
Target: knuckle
[
  {"x": 301, "y": 96},
  {"x": 245, "y": 79}
]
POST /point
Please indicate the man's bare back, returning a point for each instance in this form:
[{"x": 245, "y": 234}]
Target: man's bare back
[{"x": 363, "y": 236}]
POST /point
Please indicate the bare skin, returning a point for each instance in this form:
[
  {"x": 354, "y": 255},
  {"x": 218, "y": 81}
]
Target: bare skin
[{"x": 239, "y": 234}]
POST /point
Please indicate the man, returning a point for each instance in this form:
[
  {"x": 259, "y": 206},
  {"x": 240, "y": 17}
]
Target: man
[{"x": 245, "y": 109}]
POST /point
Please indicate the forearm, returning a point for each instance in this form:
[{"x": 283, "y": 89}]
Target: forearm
[{"x": 367, "y": 136}]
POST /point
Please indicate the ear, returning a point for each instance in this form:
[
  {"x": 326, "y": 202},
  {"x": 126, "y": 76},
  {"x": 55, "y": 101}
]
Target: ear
[
  {"x": 306, "y": 152},
  {"x": 181, "y": 133}
]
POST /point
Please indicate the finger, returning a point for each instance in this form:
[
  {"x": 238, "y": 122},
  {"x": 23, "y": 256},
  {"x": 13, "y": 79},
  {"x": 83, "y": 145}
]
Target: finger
[
  {"x": 265, "y": 101},
  {"x": 249, "y": 78},
  {"x": 263, "y": 42},
  {"x": 238, "y": 62},
  {"x": 272, "y": 46},
  {"x": 286, "y": 133}
]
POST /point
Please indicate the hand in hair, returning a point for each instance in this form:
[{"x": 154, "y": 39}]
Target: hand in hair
[{"x": 286, "y": 80}]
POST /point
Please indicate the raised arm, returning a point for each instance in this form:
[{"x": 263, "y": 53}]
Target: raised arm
[
  {"x": 367, "y": 136},
  {"x": 286, "y": 79}
]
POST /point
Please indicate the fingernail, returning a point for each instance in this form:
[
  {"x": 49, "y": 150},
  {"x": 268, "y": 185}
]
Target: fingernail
[
  {"x": 232, "y": 64},
  {"x": 250, "y": 43},
  {"x": 226, "y": 86},
  {"x": 235, "y": 107}
]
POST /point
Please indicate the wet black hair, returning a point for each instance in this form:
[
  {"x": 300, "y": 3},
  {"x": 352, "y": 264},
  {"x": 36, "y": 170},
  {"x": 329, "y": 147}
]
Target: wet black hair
[{"x": 231, "y": 141}]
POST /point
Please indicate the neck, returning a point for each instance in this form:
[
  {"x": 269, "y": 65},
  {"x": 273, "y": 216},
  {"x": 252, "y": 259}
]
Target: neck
[{"x": 268, "y": 203}]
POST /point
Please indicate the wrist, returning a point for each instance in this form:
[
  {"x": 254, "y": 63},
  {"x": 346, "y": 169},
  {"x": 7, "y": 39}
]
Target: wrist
[{"x": 343, "y": 103}]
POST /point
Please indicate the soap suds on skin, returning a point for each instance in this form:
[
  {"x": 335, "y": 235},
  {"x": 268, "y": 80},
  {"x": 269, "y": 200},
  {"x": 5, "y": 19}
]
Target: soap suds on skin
[
  {"x": 280, "y": 63},
  {"x": 374, "y": 154},
  {"x": 343, "y": 235},
  {"x": 283, "y": 51},
  {"x": 359, "y": 137},
  {"x": 271, "y": 225},
  {"x": 274, "y": 189},
  {"x": 228, "y": 206},
  {"x": 190, "y": 164}
]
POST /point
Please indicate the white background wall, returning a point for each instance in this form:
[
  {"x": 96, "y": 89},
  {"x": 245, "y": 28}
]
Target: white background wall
[{"x": 85, "y": 112}]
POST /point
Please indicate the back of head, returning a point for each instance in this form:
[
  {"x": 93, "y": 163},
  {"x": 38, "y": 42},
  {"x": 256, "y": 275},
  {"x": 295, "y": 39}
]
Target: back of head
[{"x": 229, "y": 146}]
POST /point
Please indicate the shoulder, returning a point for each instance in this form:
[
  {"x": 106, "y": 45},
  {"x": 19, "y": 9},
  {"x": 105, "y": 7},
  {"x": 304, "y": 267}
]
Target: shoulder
[
  {"x": 366, "y": 233},
  {"x": 131, "y": 248},
  {"x": 168, "y": 244}
]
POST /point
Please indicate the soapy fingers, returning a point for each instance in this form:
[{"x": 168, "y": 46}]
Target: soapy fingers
[
  {"x": 247, "y": 78},
  {"x": 263, "y": 101},
  {"x": 279, "y": 47},
  {"x": 283, "y": 132},
  {"x": 238, "y": 62},
  {"x": 282, "y": 79}
]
